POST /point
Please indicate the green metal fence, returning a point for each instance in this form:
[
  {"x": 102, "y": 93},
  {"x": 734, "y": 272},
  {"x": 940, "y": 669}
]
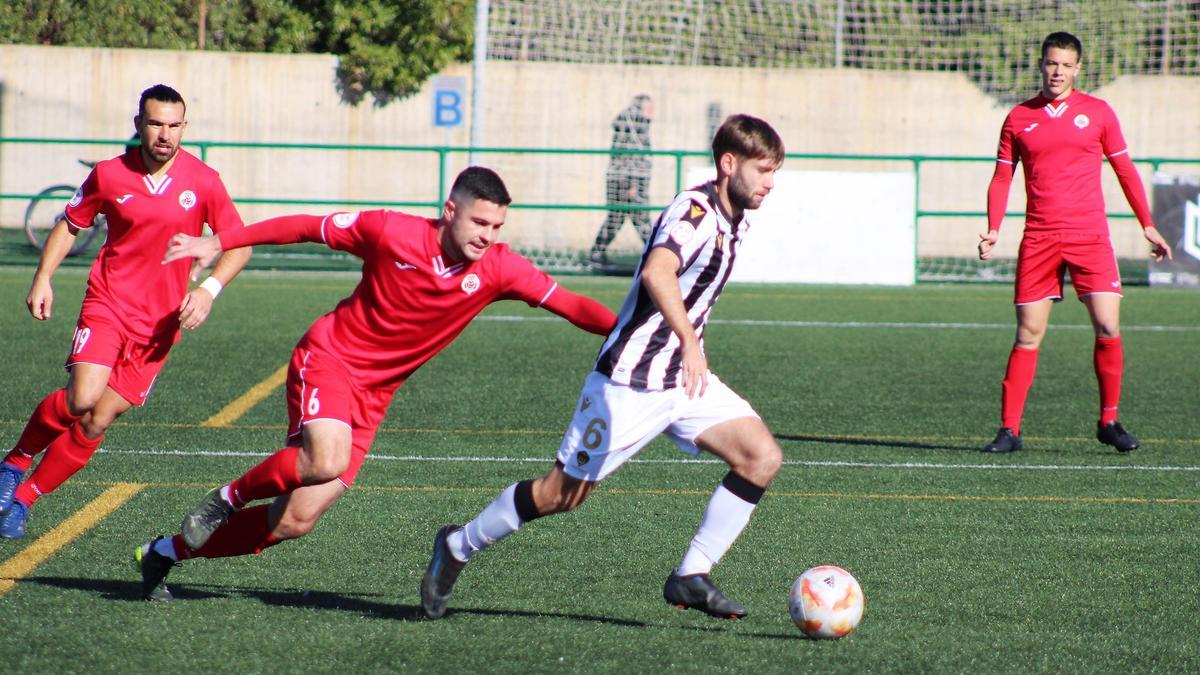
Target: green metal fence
[{"x": 918, "y": 163}]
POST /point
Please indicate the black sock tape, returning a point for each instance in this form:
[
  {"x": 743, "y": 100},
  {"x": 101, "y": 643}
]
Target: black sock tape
[
  {"x": 527, "y": 510},
  {"x": 743, "y": 488}
]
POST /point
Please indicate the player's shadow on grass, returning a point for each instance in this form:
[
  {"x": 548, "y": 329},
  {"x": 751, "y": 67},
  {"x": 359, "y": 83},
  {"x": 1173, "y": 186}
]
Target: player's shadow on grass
[
  {"x": 131, "y": 590},
  {"x": 873, "y": 442}
]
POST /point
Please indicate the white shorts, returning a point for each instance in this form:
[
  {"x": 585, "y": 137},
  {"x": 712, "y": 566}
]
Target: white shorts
[{"x": 613, "y": 422}]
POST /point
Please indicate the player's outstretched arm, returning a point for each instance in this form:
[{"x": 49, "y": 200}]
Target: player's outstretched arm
[
  {"x": 582, "y": 311},
  {"x": 660, "y": 280},
  {"x": 204, "y": 249}
]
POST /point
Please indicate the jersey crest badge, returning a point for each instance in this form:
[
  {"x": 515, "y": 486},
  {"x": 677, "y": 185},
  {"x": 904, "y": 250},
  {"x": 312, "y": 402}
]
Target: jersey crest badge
[
  {"x": 76, "y": 198},
  {"x": 187, "y": 199},
  {"x": 1081, "y": 121},
  {"x": 344, "y": 220},
  {"x": 695, "y": 213},
  {"x": 470, "y": 284},
  {"x": 582, "y": 458}
]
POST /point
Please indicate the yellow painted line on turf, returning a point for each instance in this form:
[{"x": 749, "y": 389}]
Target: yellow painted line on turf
[
  {"x": 24, "y": 562},
  {"x": 238, "y": 407}
]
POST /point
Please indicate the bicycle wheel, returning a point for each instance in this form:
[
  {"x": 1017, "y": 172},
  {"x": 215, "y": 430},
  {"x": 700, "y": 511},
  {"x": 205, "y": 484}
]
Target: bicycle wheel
[{"x": 45, "y": 211}]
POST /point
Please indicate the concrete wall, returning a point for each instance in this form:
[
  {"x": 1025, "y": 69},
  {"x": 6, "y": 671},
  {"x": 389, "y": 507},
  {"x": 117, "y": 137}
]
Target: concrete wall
[{"x": 92, "y": 93}]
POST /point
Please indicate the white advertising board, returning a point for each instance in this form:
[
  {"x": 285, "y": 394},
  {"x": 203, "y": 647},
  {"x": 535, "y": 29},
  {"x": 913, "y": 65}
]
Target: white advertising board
[{"x": 830, "y": 227}]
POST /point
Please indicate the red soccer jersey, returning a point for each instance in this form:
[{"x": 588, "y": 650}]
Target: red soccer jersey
[
  {"x": 1061, "y": 144},
  {"x": 143, "y": 215},
  {"x": 411, "y": 302}
]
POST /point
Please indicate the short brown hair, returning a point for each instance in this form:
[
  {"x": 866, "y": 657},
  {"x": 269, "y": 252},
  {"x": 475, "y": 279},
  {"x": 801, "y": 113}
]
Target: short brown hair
[
  {"x": 747, "y": 137},
  {"x": 1062, "y": 41},
  {"x": 479, "y": 182}
]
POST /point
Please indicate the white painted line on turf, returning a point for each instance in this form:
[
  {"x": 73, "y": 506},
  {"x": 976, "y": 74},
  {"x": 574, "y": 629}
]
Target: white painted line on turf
[
  {"x": 788, "y": 462},
  {"x": 937, "y": 325}
]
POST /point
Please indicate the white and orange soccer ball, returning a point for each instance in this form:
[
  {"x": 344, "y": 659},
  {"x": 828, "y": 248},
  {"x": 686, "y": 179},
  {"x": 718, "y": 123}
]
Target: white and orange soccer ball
[{"x": 826, "y": 602}]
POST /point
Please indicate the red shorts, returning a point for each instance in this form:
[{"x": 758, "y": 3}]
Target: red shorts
[
  {"x": 1045, "y": 257},
  {"x": 101, "y": 338},
  {"x": 319, "y": 388}
]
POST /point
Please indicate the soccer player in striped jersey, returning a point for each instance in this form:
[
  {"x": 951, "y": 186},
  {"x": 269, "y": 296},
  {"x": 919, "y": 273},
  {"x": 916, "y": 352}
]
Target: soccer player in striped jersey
[
  {"x": 651, "y": 378},
  {"x": 134, "y": 305},
  {"x": 423, "y": 281},
  {"x": 1061, "y": 135}
]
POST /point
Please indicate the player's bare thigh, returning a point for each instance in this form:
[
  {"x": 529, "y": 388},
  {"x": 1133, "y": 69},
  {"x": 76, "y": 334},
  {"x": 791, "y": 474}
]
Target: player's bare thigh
[
  {"x": 86, "y": 384},
  {"x": 1032, "y": 320},
  {"x": 747, "y": 446},
  {"x": 1105, "y": 312},
  {"x": 296, "y": 513},
  {"x": 325, "y": 453}
]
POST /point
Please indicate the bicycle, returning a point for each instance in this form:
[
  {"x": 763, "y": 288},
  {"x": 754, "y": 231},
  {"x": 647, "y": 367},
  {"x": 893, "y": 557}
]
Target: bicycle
[{"x": 46, "y": 210}]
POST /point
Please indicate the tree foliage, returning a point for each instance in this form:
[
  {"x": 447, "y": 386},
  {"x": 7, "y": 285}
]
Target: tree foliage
[{"x": 386, "y": 48}]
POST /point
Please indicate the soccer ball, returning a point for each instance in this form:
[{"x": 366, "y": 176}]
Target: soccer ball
[{"x": 826, "y": 602}]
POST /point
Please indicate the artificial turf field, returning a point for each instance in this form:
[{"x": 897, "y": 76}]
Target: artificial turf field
[{"x": 1066, "y": 557}]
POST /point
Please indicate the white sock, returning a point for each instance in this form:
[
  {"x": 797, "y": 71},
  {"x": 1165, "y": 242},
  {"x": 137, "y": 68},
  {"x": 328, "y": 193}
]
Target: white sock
[
  {"x": 494, "y": 523},
  {"x": 165, "y": 548},
  {"x": 724, "y": 519}
]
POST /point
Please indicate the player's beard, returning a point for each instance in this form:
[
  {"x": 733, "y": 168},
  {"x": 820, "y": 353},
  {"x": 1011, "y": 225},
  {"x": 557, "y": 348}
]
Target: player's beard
[
  {"x": 162, "y": 154},
  {"x": 740, "y": 195}
]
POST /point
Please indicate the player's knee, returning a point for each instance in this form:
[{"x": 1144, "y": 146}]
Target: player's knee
[
  {"x": 94, "y": 425},
  {"x": 767, "y": 459},
  {"x": 1028, "y": 339},
  {"x": 80, "y": 403},
  {"x": 322, "y": 467}
]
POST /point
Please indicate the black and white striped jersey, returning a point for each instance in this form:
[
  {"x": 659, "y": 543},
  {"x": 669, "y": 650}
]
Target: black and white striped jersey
[{"x": 642, "y": 350}]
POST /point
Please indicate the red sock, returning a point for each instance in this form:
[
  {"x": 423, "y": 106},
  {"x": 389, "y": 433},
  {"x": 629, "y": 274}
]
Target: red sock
[
  {"x": 272, "y": 477},
  {"x": 69, "y": 453},
  {"x": 49, "y": 419},
  {"x": 1022, "y": 364},
  {"x": 247, "y": 531},
  {"x": 1109, "y": 358}
]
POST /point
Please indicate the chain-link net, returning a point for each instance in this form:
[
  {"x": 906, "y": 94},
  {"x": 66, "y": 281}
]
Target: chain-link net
[{"x": 988, "y": 41}]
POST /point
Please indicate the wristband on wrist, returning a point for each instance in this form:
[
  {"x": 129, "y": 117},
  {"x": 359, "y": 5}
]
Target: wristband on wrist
[{"x": 212, "y": 285}]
